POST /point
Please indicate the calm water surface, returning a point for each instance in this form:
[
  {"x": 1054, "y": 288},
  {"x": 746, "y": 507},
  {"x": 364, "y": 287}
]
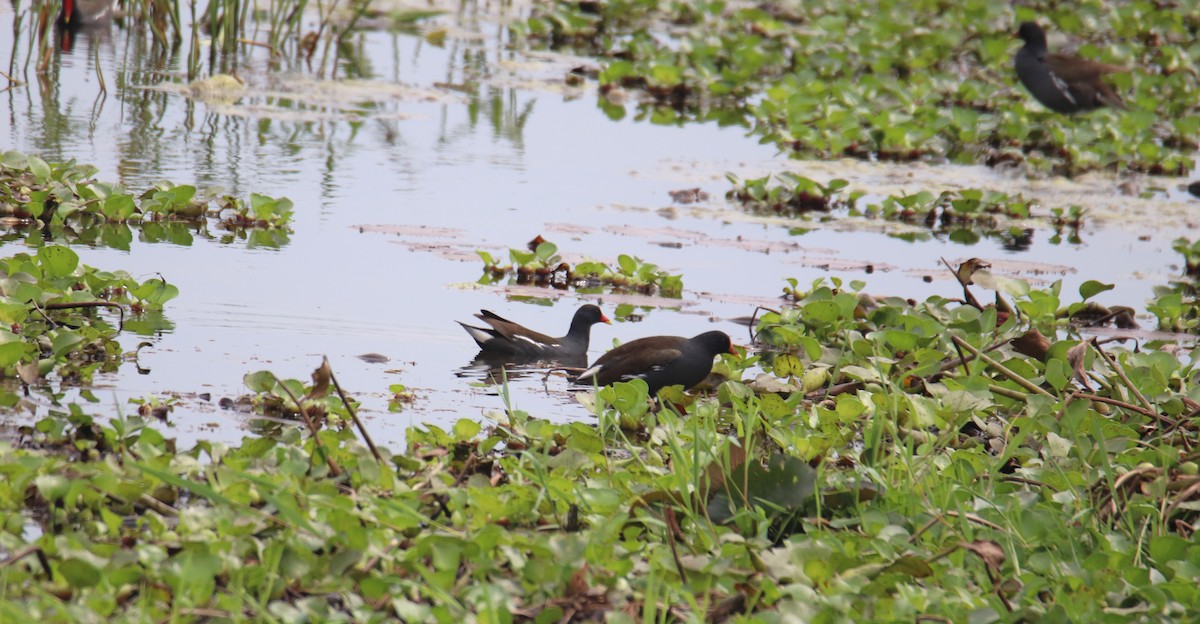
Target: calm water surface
[{"x": 467, "y": 136}]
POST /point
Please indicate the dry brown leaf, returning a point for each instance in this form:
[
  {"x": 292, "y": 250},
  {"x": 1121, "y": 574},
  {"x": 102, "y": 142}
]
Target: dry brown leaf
[
  {"x": 320, "y": 378},
  {"x": 1032, "y": 344},
  {"x": 1076, "y": 358},
  {"x": 29, "y": 373},
  {"x": 969, "y": 267},
  {"x": 989, "y": 551}
]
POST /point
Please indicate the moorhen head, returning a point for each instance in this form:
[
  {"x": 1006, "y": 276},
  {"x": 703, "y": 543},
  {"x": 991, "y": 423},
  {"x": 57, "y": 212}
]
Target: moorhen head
[
  {"x": 659, "y": 360},
  {"x": 1063, "y": 83}
]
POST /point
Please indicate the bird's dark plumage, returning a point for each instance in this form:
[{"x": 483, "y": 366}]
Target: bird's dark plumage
[
  {"x": 504, "y": 337},
  {"x": 659, "y": 360},
  {"x": 1062, "y": 83}
]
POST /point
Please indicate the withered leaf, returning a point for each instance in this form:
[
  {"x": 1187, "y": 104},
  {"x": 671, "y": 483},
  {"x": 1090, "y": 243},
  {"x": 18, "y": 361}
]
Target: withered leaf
[{"x": 989, "y": 551}]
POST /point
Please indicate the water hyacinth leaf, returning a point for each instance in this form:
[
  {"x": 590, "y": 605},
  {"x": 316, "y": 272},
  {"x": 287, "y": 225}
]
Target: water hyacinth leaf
[
  {"x": 814, "y": 379},
  {"x": 39, "y": 168},
  {"x": 1091, "y": 288},
  {"x": 52, "y": 487},
  {"x": 58, "y": 261},
  {"x": 786, "y": 365},
  {"x": 628, "y": 264},
  {"x": 79, "y": 573},
  {"x": 12, "y": 312},
  {"x": 911, "y": 565},
  {"x": 546, "y": 250},
  {"x": 118, "y": 207},
  {"x": 826, "y": 312},
  {"x": 155, "y": 292},
  {"x": 783, "y": 486},
  {"x": 260, "y": 381},
  {"x": 14, "y": 160},
  {"x": 13, "y": 352},
  {"x": 64, "y": 341},
  {"x": 900, "y": 340}
]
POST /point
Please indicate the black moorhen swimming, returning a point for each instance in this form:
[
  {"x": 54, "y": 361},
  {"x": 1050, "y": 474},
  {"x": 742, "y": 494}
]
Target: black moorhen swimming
[
  {"x": 505, "y": 337},
  {"x": 659, "y": 360},
  {"x": 1063, "y": 83}
]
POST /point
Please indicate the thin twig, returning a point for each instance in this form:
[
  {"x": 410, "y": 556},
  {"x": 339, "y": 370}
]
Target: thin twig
[
  {"x": 1129, "y": 406},
  {"x": 333, "y": 467},
  {"x": 971, "y": 300},
  {"x": 353, "y": 415},
  {"x": 64, "y": 305},
  {"x": 1121, "y": 373},
  {"x": 13, "y": 82},
  {"x": 1012, "y": 479},
  {"x": 672, "y": 526},
  {"x": 29, "y": 550},
  {"x": 1007, "y": 392},
  {"x": 1003, "y": 370},
  {"x": 954, "y": 514},
  {"x": 754, "y": 319}
]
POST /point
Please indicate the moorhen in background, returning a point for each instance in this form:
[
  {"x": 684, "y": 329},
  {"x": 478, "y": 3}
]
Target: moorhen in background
[
  {"x": 82, "y": 13},
  {"x": 507, "y": 338},
  {"x": 659, "y": 360},
  {"x": 1063, "y": 83}
]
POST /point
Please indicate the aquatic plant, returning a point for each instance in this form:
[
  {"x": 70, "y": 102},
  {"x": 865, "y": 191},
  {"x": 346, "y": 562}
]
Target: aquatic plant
[
  {"x": 857, "y": 80},
  {"x": 67, "y": 202},
  {"x": 543, "y": 266}
]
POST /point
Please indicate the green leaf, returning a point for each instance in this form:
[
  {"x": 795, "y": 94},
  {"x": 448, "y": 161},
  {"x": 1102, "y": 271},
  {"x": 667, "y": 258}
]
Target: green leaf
[
  {"x": 58, "y": 261},
  {"x": 64, "y": 341},
  {"x": 1091, "y": 288},
  {"x": 628, "y": 265},
  {"x": 260, "y": 381},
  {"x": 155, "y": 292},
  {"x": 39, "y": 168},
  {"x": 13, "y": 352},
  {"x": 79, "y": 573}
]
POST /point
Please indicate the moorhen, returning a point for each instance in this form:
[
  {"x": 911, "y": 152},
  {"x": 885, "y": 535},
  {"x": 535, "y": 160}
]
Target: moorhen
[
  {"x": 1063, "y": 83},
  {"x": 82, "y": 13},
  {"x": 659, "y": 360},
  {"x": 505, "y": 337}
]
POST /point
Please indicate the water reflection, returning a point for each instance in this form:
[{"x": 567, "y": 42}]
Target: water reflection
[
  {"x": 497, "y": 368},
  {"x": 113, "y": 96}
]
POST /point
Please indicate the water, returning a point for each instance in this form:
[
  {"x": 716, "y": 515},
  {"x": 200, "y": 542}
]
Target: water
[{"x": 487, "y": 146}]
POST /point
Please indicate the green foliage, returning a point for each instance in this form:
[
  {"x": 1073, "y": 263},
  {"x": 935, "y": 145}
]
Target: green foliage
[
  {"x": 864, "y": 474},
  {"x": 895, "y": 80},
  {"x": 52, "y": 311},
  {"x": 64, "y": 201},
  {"x": 543, "y": 266},
  {"x": 794, "y": 194}
]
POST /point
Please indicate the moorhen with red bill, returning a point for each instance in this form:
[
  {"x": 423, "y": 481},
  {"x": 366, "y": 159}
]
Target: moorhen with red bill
[
  {"x": 1063, "y": 83},
  {"x": 505, "y": 337},
  {"x": 83, "y": 13},
  {"x": 659, "y": 360}
]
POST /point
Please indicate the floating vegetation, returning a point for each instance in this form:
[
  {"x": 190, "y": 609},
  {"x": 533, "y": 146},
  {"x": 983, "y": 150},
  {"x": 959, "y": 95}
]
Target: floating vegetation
[
  {"x": 543, "y": 266},
  {"x": 65, "y": 202},
  {"x": 794, "y": 194},
  {"x": 854, "y": 80},
  {"x": 52, "y": 320}
]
